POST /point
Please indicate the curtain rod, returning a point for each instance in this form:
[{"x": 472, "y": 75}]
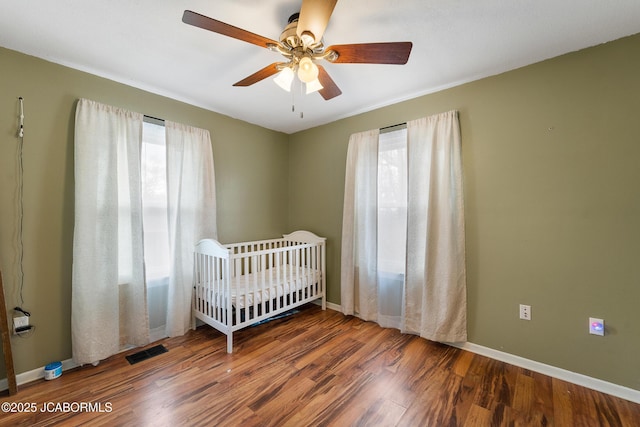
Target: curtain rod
[
  {"x": 393, "y": 126},
  {"x": 153, "y": 118}
]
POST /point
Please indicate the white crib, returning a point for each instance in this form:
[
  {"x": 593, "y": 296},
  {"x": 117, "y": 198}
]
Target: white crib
[{"x": 239, "y": 284}]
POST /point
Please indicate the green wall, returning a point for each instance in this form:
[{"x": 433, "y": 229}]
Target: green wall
[
  {"x": 551, "y": 157},
  {"x": 551, "y": 167},
  {"x": 251, "y": 183}
]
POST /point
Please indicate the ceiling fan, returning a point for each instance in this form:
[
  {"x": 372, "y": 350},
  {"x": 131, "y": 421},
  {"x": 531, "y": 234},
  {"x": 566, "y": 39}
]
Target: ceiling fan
[{"x": 302, "y": 46}]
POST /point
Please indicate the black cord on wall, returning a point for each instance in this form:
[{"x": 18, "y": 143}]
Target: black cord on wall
[{"x": 20, "y": 203}]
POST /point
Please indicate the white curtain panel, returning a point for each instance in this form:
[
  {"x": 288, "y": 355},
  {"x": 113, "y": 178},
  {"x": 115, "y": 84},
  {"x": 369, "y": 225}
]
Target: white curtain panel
[
  {"x": 192, "y": 214},
  {"x": 358, "y": 283},
  {"x": 108, "y": 285},
  {"x": 435, "y": 302}
]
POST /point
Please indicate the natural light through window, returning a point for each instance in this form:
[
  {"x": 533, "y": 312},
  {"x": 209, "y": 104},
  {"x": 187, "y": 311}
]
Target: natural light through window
[
  {"x": 392, "y": 201},
  {"x": 154, "y": 202}
]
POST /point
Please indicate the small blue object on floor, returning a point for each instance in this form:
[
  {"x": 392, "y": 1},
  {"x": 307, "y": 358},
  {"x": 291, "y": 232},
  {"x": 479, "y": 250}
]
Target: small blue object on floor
[{"x": 53, "y": 370}]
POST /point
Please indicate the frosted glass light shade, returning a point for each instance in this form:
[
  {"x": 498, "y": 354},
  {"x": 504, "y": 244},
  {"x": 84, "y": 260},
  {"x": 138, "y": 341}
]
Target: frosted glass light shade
[
  {"x": 284, "y": 79},
  {"x": 314, "y": 86},
  {"x": 307, "y": 70}
]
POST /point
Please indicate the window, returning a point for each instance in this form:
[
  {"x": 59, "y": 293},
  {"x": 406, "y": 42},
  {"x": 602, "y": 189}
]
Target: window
[
  {"x": 122, "y": 201},
  {"x": 154, "y": 202},
  {"x": 155, "y": 224},
  {"x": 403, "y": 214},
  {"x": 392, "y": 201},
  {"x": 392, "y": 225}
]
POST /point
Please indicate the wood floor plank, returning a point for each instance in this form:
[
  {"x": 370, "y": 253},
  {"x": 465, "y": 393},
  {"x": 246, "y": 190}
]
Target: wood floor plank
[
  {"x": 378, "y": 412},
  {"x": 478, "y": 416},
  {"x": 523, "y": 396},
  {"x": 435, "y": 404},
  {"x": 543, "y": 395},
  {"x": 461, "y": 367},
  {"x": 315, "y": 368},
  {"x": 562, "y": 407}
]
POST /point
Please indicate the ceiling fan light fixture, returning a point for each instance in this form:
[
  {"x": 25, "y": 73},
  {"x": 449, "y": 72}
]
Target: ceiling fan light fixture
[
  {"x": 314, "y": 86},
  {"x": 307, "y": 70},
  {"x": 302, "y": 45},
  {"x": 284, "y": 79}
]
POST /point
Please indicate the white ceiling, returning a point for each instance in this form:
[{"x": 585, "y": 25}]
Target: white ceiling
[{"x": 143, "y": 43}]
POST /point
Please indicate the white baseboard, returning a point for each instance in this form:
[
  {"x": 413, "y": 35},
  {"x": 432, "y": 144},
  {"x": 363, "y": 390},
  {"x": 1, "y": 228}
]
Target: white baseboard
[
  {"x": 35, "y": 374},
  {"x": 330, "y": 305},
  {"x": 552, "y": 371},
  {"x": 333, "y": 306}
]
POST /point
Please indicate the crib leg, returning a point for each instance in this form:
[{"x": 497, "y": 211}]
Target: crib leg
[
  {"x": 230, "y": 342},
  {"x": 324, "y": 302}
]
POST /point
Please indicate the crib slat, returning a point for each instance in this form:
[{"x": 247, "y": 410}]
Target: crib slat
[
  {"x": 278, "y": 275},
  {"x": 307, "y": 266},
  {"x": 254, "y": 289},
  {"x": 218, "y": 290},
  {"x": 226, "y": 291},
  {"x": 261, "y": 268}
]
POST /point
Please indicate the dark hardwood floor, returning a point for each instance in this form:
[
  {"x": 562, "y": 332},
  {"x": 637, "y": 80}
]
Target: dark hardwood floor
[{"x": 312, "y": 368}]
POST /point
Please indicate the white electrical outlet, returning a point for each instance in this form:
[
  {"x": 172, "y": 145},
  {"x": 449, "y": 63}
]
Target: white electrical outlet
[{"x": 525, "y": 312}]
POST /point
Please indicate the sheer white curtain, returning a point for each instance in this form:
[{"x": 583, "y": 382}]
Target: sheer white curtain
[
  {"x": 424, "y": 293},
  {"x": 374, "y": 227},
  {"x": 435, "y": 296},
  {"x": 108, "y": 280},
  {"x": 192, "y": 214},
  {"x": 359, "y": 287}
]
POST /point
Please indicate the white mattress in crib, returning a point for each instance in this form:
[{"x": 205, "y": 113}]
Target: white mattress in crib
[{"x": 246, "y": 288}]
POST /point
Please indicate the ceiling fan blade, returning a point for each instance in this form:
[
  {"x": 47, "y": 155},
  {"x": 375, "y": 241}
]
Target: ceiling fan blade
[
  {"x": 267, "y": 71},
  {"x": 372, "y": 53},
  {"x": 201, "y": 21},
  {"x": 329, "y": 88},
  {"x": 314, "y": 17}
]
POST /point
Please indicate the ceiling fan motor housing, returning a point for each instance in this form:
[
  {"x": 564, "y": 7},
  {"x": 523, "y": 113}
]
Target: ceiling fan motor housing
[{"x": 290, "y": 38}]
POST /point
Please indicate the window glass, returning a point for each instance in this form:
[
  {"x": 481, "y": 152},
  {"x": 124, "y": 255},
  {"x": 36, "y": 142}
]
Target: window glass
[
  {"x": 392, "y": 201},
  {"x": 154, "y": 202}
]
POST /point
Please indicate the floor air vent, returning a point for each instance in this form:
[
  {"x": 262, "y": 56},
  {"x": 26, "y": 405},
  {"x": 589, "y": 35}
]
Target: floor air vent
[{"x": 146, "y": 354}]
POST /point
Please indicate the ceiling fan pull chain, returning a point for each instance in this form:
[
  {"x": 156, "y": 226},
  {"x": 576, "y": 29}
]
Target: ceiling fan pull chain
[
  {"x": 301, "y": 88},
  {"x": 293, "y": 101}
]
